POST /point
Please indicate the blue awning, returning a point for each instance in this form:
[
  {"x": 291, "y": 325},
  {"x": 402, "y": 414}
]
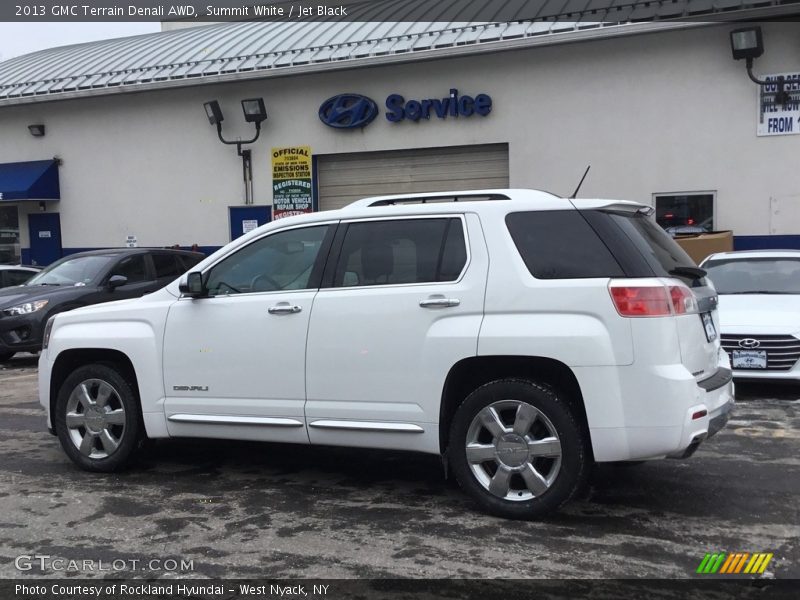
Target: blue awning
[{"x": 32, "y": 180}]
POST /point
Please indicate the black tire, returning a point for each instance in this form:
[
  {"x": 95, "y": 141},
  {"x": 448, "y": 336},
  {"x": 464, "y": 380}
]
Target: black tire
[
  {"x": 6, "y": 356},
  {"x": 568, "y": 471},
  {"x": 128, "y": 433}
]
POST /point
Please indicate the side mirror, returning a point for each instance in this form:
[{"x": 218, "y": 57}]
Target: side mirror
[
  {"x": 193, "y": 285},
  {"x": 115, "y": 281}
]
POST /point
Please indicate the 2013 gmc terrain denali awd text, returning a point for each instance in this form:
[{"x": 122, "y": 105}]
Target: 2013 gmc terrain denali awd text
[{"x": 518, "y": 334}]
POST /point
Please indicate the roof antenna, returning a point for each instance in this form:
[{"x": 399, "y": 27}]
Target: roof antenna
[{"x": 585, "y": 173}]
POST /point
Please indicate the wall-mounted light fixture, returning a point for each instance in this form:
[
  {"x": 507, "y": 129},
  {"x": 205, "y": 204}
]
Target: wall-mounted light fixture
[
  {"x": 254, "y": 112},
  {"x": 37, "y": 130},
  {"x": 747, "y": 43}
]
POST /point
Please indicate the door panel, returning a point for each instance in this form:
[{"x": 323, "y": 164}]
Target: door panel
[
  {"x": 234, "y": 361},
  {"x": 242, "y": 361},
  {"x": 381, "y": 352}
]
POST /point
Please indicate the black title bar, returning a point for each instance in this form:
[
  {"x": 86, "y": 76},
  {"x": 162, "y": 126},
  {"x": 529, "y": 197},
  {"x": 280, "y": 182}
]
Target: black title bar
[{"x": 448, "y": 13}]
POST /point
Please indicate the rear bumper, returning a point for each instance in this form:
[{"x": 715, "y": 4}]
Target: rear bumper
[
  {"x": 713, "y": 423},
  {"x": 719, "y": 379},
  {"x": 656, "y": 412}
]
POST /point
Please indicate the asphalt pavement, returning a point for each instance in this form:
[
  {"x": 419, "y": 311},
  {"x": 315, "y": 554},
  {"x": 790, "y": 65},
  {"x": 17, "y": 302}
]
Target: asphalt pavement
[{"x": 206, "y": 508}]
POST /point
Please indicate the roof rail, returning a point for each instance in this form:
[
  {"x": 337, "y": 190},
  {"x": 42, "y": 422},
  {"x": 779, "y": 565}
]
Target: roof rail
[{"x": 429, "y": 198}]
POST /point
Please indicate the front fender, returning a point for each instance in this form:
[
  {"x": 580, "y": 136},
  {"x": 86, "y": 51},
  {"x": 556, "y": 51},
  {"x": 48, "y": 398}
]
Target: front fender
[{"x": 134, "y": 329}]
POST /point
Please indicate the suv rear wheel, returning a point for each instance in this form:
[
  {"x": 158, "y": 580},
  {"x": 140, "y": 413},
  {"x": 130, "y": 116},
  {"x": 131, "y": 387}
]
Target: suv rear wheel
[
  {"x": 516, "y": 449},
  {"x": 97, "y": 418}
]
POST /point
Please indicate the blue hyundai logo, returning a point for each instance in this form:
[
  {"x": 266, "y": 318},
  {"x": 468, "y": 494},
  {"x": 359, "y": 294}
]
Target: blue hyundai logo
[{"x": 348, "y": 111}]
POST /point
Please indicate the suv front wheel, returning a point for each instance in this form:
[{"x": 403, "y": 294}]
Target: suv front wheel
[
  {"x": 97, "y": 418},
  {"x": 516, "y": 449}
]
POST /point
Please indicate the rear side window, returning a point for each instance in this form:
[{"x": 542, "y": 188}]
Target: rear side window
[
  {"x": 560, "y": 244},
  {"x": 401, "y": 252},
  {"x": 132, "y": 267},
  {"x": 188, "y": 262},
  {"x": 166, "y": 265}
]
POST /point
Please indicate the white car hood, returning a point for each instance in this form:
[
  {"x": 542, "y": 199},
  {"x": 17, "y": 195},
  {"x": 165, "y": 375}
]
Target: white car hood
[{"x": 754, "y": 313}]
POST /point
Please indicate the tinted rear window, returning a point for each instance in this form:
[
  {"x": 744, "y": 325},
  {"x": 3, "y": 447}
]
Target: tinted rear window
[
  {"x": 655, "y": 245},
  {"x": 560, "y": 245},
  {"x": 189, "y": 261},
  {"x": 167, "y": 265}
]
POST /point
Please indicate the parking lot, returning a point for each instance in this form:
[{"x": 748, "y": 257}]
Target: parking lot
[{"x": 262, "y": 510}]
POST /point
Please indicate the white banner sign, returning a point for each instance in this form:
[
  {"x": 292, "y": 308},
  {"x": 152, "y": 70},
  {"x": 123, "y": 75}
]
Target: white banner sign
[{"x": 775, "y": 118}]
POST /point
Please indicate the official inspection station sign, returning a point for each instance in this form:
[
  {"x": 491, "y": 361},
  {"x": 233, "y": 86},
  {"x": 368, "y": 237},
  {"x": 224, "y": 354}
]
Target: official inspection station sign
[{"x": 291, "y": 181}]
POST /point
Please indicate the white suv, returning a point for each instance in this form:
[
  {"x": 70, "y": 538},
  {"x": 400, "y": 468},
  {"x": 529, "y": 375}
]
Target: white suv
[{"x": 518, "y": 334}]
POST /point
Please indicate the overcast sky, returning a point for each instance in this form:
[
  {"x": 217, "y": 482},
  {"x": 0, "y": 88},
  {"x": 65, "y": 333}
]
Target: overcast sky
[{"x": 21, "y": 38}]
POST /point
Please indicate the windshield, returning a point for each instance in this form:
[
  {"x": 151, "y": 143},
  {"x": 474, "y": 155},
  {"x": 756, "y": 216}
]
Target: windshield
[
  {"x": 755, "y": 275},
  {"x": 72, "y": 271}
]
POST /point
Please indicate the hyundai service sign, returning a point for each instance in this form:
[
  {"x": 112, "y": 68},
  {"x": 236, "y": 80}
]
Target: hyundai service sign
[{"x": 351, "y": 111}]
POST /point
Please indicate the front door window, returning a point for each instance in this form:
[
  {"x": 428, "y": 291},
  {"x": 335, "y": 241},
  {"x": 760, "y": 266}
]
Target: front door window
[{"x": 279, "y": 262}]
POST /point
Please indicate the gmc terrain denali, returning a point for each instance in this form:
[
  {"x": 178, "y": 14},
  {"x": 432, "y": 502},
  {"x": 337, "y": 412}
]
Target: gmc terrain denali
[{"x": 518, "y": 334}]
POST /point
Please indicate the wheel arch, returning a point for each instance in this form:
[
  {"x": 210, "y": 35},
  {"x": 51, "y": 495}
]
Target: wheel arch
[
  {"x": 69, "y": 360},
  {"x": 470, "y": 373}
]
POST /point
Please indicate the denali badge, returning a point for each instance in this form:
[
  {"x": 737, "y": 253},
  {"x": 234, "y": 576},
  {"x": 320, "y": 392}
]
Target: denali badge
[{"x": 190, "y": 388}]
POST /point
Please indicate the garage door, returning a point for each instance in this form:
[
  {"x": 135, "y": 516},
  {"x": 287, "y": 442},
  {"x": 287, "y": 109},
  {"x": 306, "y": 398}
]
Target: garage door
[{"x": 344, "y": 178}]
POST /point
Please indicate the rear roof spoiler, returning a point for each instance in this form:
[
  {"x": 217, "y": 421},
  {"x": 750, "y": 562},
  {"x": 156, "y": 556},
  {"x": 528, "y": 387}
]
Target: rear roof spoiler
[{"x": 625, "y": 206}]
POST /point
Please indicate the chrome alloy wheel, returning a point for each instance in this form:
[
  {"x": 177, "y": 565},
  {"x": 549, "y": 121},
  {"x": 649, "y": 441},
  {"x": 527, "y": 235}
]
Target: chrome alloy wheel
[
  {"x": 95, "y": 418},
  {"x": 513, "y": 450}
]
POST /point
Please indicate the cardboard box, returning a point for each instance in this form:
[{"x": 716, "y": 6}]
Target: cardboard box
[{"x": 700, "y": 245}]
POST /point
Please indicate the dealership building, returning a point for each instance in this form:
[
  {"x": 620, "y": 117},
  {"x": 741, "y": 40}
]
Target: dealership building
[{"x": 116, "y": 143}]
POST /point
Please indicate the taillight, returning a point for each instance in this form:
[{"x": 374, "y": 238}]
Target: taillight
[
  {"x": 656, "y": 298},
  {"x": 683, "y": 299},
  {"x": 641, "y": 301}
]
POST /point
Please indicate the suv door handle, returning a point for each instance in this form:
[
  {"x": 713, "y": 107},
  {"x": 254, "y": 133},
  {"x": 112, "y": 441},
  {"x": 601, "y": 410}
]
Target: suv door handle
[
  {"x": 284, "y": 308},
  {"x": 439, "y": 302}
]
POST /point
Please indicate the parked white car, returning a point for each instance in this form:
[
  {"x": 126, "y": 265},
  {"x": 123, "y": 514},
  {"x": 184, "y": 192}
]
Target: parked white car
[
  {"x": 517, "y": 334},
  {"x": 759, "y": 311},
  {"x": 11, "y": 275}
]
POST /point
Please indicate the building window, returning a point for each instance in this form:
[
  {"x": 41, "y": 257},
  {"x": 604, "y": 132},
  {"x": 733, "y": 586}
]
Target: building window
[
  {"x": 9, "y": 235},
  {"x": 691, "y": 212}
]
